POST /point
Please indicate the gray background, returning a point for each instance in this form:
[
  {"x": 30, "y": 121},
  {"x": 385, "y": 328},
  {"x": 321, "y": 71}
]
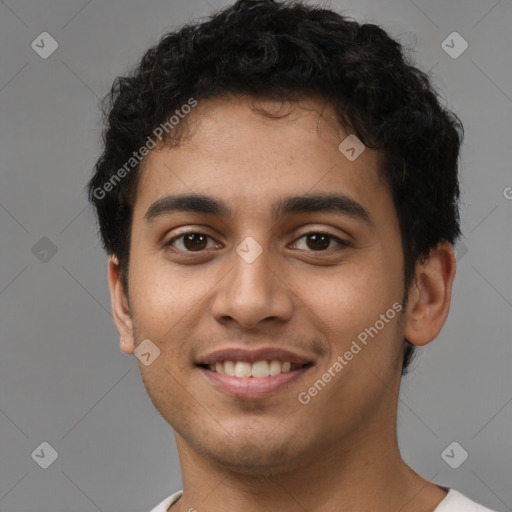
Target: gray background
[{"x": 63, "y": 378}]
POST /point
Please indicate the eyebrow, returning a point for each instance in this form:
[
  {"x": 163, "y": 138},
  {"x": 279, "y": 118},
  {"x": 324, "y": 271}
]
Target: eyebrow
[{"x": 203, "y": 204}]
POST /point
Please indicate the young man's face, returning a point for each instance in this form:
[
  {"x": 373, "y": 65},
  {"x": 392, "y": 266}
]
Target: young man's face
[{"x": 309, "y": 296}]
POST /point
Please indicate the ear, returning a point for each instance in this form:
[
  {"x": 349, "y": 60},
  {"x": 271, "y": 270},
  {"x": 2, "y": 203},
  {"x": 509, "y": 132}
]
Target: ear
[
  {"x": 430, "y": 295},
  {"x": 120, "y": 307}
]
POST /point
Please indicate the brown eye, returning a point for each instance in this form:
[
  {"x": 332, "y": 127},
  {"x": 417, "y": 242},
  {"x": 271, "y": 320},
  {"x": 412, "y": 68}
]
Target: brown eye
[
  {"x": 318, "y": 241},
  {"x": 192, "y": 241}
]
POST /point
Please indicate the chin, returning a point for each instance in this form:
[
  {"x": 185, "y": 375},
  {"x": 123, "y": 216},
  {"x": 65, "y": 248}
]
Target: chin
[{"x": 255, "y": 458}]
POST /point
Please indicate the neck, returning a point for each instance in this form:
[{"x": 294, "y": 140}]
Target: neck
[{"x": 363, "y": 473}]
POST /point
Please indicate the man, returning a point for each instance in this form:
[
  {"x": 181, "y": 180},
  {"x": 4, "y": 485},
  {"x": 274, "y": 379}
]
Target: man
[{"x": 278, "y": 196}]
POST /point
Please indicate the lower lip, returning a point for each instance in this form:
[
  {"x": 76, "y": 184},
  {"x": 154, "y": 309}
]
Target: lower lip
[{"x": 252, "y": 387}]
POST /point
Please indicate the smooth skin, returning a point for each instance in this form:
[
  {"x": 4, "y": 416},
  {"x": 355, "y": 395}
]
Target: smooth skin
[{"x": 339, "y": 452}]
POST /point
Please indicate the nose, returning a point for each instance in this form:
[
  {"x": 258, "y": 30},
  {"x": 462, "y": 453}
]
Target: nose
[{"x": 253, "y": 292}]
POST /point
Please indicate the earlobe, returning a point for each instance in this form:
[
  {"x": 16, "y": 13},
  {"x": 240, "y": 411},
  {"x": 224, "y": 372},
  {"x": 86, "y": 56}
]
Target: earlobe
[
  {"x": 120, "y": 308},
  {"x": 430, "y": 295}
]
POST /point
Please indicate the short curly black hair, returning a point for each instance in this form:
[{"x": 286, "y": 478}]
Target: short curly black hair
[{"x": 289, "y": 50}]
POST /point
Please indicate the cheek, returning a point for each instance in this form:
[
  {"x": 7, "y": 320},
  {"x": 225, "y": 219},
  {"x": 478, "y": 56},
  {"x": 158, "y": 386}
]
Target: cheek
[
  {"x": 348, "y": 305},
  {"x": 161, "y": 295},
  {"x": 351, "y": 295}
]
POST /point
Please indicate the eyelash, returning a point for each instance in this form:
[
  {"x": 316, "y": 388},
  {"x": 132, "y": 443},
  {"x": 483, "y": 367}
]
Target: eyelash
[{"x": 341, "y": 242}]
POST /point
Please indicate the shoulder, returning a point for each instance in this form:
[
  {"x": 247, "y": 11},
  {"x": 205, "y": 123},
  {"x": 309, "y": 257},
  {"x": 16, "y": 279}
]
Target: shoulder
[
  {"x": 164, "y": 505},
  {"x": 455, "y": 501}
]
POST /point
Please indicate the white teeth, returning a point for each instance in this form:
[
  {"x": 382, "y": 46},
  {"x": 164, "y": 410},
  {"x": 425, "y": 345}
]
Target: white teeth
[
  {"x": 243, "y": 369},
  {"x": 229, "y": 368},
  {"x": 275, "y": 367},
  {"x": 258, "y": 369}
]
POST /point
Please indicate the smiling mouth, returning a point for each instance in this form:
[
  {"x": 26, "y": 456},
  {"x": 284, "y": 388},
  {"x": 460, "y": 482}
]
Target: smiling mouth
[{"x": 258, "y": 369}]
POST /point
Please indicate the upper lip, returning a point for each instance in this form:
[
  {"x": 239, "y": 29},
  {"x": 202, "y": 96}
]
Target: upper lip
[{"x": 243, "y": 354}]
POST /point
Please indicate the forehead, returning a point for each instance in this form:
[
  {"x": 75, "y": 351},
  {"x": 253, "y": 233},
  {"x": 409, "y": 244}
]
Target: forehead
[{"x": 231, "y": 150}]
